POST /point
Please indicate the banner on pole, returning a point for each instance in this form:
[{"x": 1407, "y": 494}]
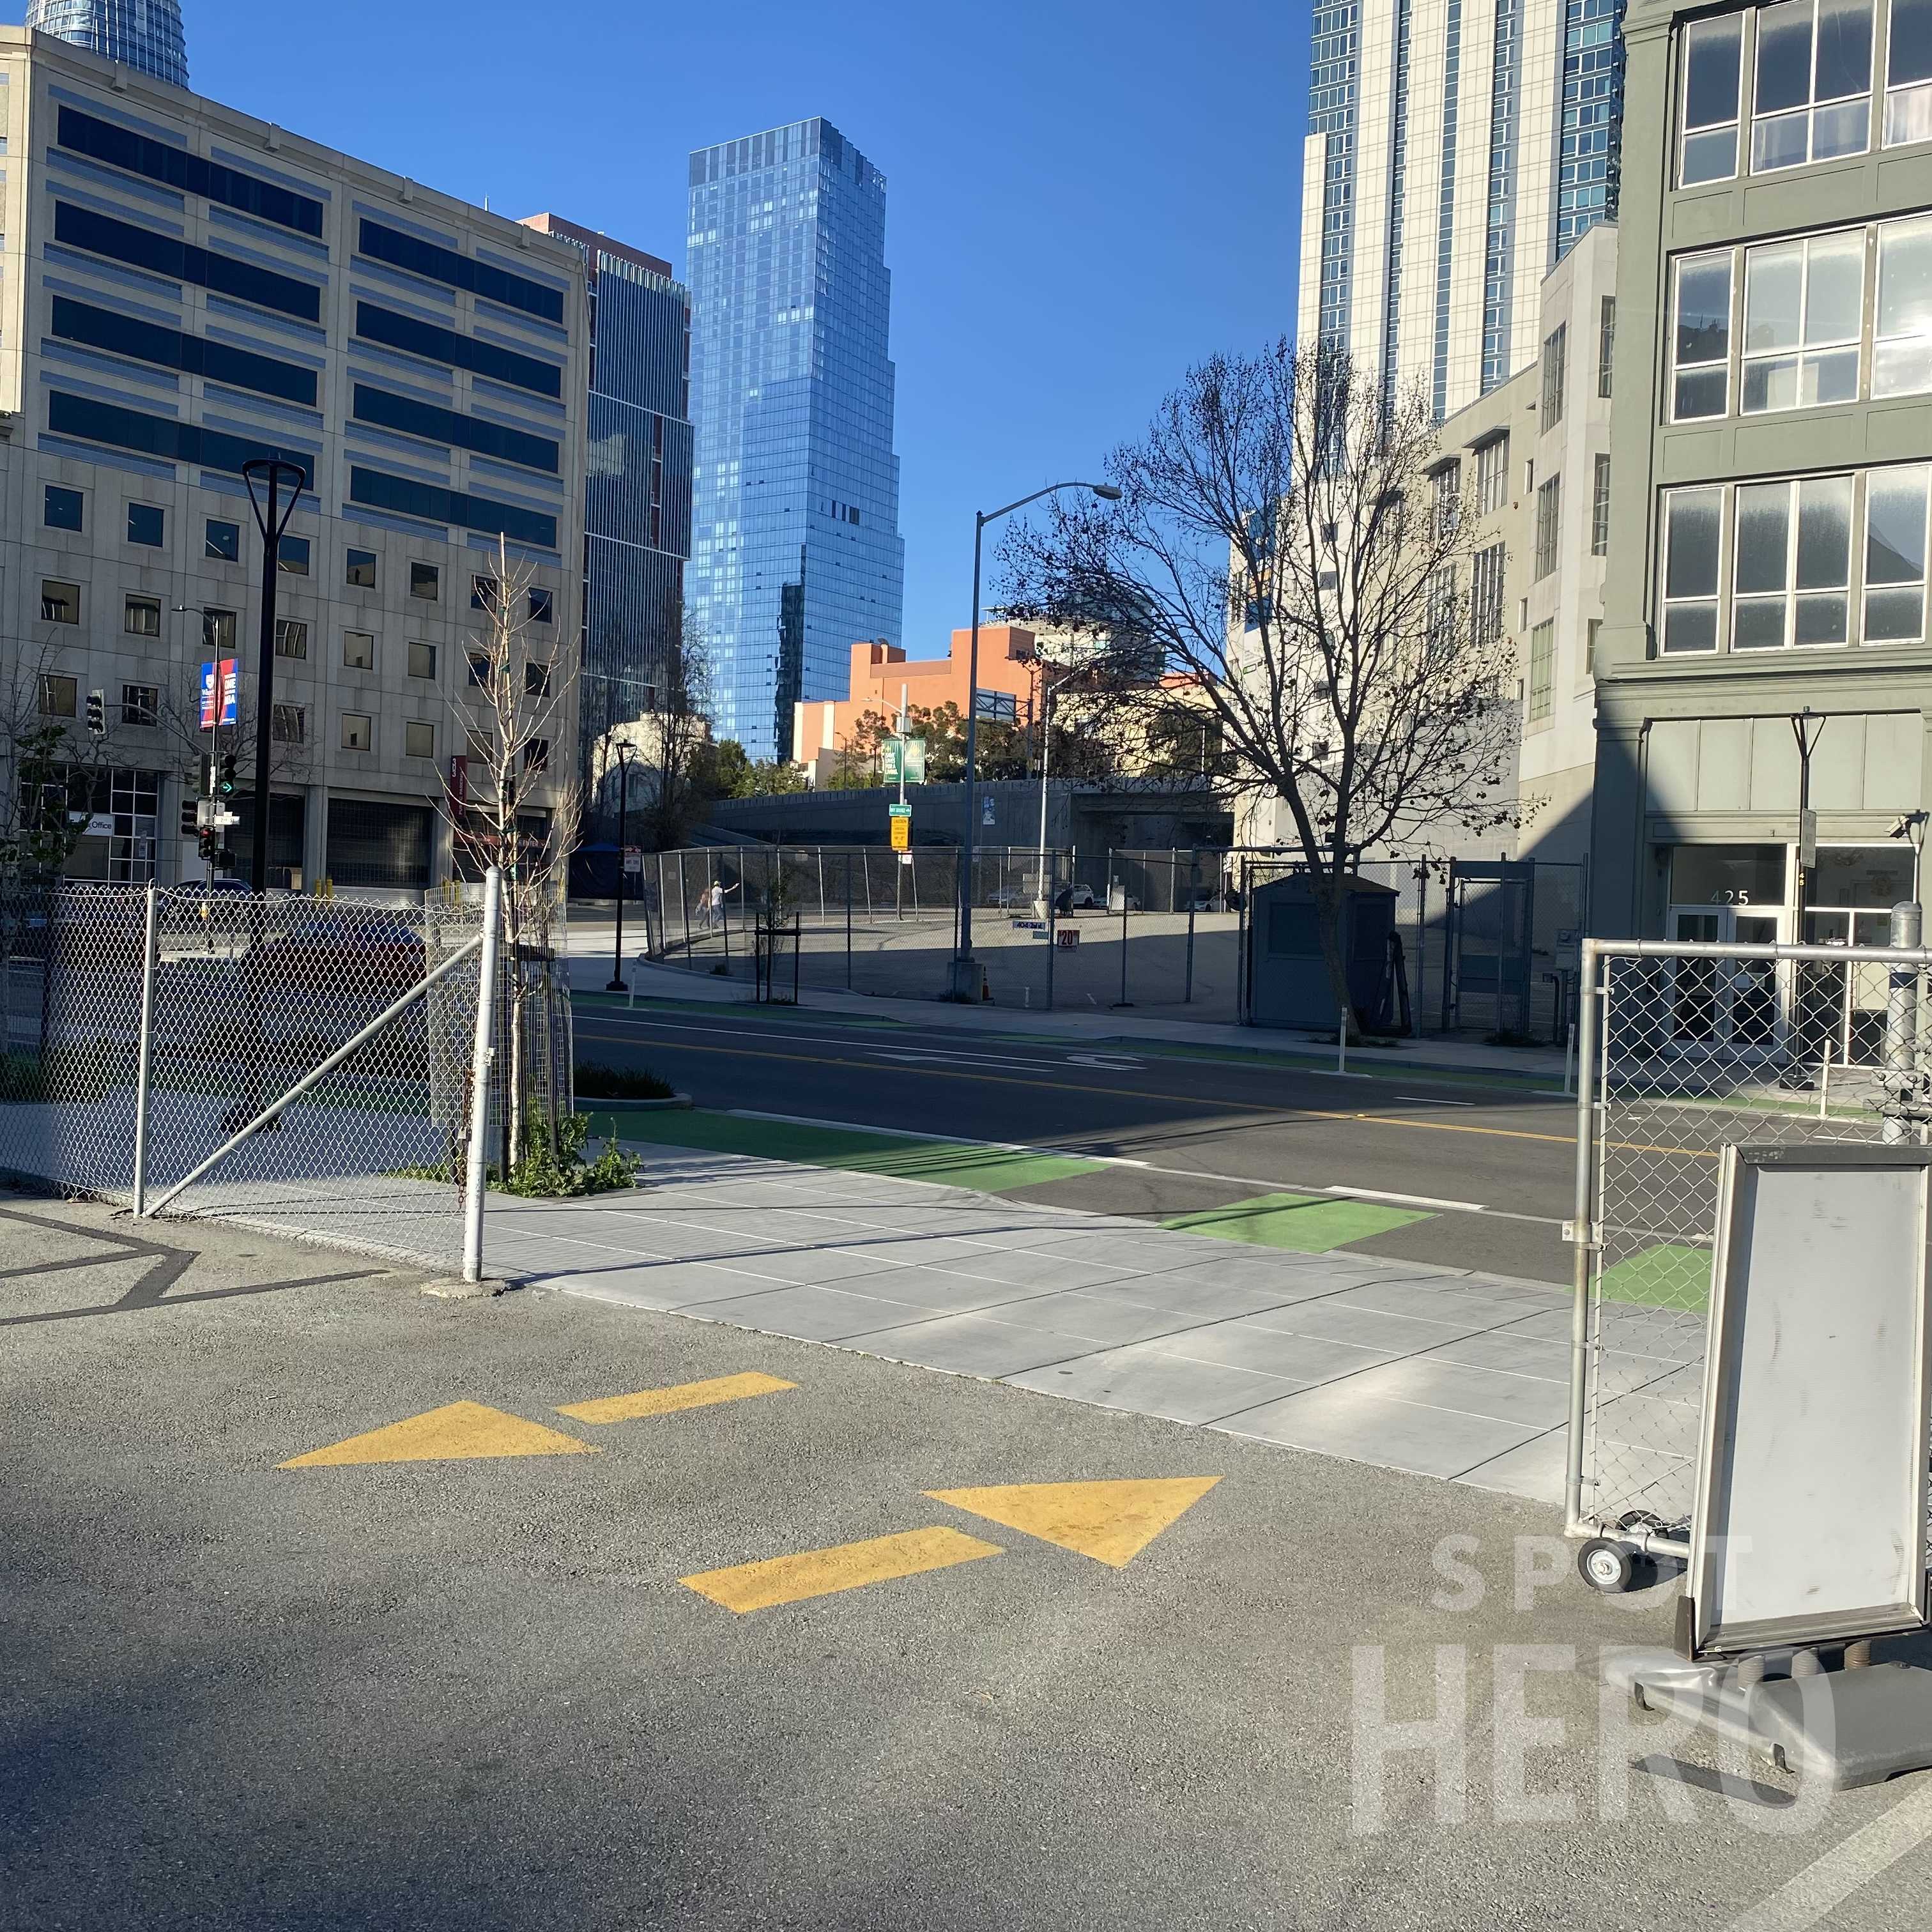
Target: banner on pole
[{"x": 220, "y": 693}]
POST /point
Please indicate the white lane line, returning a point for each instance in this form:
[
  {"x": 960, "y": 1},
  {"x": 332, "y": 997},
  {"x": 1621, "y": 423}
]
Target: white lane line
[
  {"x": 1824, "y": 1884},
  {"x": 1409, "y": 1200},
  {"x": 909, "y": 1054},
  {"x": 1429, "y": 1100}
]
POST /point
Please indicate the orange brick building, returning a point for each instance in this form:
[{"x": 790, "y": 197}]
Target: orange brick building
[{"x": 883, "y": 676}]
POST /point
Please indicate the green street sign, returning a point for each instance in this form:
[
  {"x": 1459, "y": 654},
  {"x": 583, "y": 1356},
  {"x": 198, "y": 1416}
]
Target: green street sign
[{"x": 905, "y": 761}]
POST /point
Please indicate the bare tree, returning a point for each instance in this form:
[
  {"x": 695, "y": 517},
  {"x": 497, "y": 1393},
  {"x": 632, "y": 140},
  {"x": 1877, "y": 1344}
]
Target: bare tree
[
  {"x": 48, "y": 766},
  {"x": 522, "y": 688},
  {"x": 1284, "y": 549}
]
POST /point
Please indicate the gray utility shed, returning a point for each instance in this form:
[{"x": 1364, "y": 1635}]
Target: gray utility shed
[{"x": 1288, "y": 984}]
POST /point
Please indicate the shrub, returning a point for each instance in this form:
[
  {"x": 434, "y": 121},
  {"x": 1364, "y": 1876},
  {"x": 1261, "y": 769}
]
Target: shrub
[{"x": 597, "y": 1080}]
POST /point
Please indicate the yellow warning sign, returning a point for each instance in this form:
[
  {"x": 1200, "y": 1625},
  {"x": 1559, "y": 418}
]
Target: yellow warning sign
[
  {"x": 818, "y": 1572},
  {"x": 667, "y": 1401},
  {"x": 460, "y": 1431},
  {"x": 1112, "y": 1522},
  {"x": 901, "y": 832}
]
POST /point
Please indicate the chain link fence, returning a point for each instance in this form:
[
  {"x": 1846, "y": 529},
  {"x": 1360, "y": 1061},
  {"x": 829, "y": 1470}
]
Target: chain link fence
[
  {"x": 1689, "y": 1048},
  {"x": 210, "y": 1006}
]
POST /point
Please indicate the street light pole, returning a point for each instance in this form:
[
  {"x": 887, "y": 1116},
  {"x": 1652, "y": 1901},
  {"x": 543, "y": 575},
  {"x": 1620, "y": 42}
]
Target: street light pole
[
  {"x": 265, "y": 476},
  {"x": 965, "y": 974},
  {"x": 617, "y": 985}
]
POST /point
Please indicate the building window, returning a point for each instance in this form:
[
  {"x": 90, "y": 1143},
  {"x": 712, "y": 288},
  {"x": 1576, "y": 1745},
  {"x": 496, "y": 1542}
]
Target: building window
[
  {"x": 1693, "y": 551},
  {"x": 218, "y": 630},
  {"x": 536, "y": 683},
  {"x": 223, "y": 542},
  {"x": 540, "y": 605},
  {"x": 1811, "y": 95},
  {"x": 1542, "y": 669},
  {"x": 140, "y": 704},
  {"x": 1895, "y": 549},
  {"x": 1447, "y": 478},
  {"x": 1908, "y": 73},
  {"x": 483, "y": 593},
  {"x": 536, "y": 755},
  {"x": 1593, "y": 630},
  {"x": 1803, "y": 302},
  {"x": 59, "y": 697},
  {"x": 1793, "y": 552},
  {"x": 1600, "y": 510},
  {"x": 479, "y": 747},
  {"x": 422, "y": 660},
  {"x": 147, "y": 525},
  {"x": 359, "y": 650},
  {"x": 1606, "y": 343},
  {"x": 141, "y": 617},
  {"x": 288, "y": 724},
  {"x": 358, "y": 731},
  {"x": 479, "y": 670},
  {"x": 1707, "y": 149},
  {"x": 1492, "y": 475},
  {"x": 1486, "y": 593},
  {"x": 291, "y": 557},
  {"x": 1556, "y": 356},
  {"x": 1549, "y": 524},
  {"x": 65, "y": 509},
  {"x": 1902, "y": 332},
  {"x": 291, "y": 638},
  {"x": 360, "y": 574},
  {"x": 1700, "y": 338},
  {"x": 60, "y": 603},
  {"x": 419, "y": 740},
  {"x": 426, "y": 581}
]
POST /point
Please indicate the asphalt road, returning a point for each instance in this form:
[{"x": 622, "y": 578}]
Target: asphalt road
[
  {"x": 477, "y": 1694},
  {"x": 1455, "y": 1147}
]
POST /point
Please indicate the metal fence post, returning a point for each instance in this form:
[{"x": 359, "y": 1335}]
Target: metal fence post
[
  {"x": 476, "y": 1175},
  {"x": 1187, "y": 993},
  {"x": 1582, "y": 1236},
  {"x": 1901, "y": 1026},
  {"x": 848, "y": 922},
  {"x": 144, "y": 1065},
  {"x": 1052, "y": 926}
]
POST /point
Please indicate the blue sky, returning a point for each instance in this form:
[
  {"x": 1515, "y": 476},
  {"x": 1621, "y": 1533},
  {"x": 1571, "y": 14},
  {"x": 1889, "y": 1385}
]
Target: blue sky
[{"x": 1082, "y": 197}]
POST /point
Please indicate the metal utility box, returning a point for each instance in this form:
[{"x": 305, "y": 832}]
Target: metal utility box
[{"x": 1288, "y": 982}]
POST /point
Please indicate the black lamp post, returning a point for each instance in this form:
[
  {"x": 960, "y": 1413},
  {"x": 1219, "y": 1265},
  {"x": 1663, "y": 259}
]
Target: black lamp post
[
  {"x": 266, "y": 477},
  {"x": 965, "y": 968},
  {"x": 617, "y": 983}
]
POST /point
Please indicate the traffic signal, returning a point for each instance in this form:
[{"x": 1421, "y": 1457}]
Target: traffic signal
[
  {"x": 224, "y": 785},
  {"x": 96, "y": 714},
  {"x": 209, "y": 844}
]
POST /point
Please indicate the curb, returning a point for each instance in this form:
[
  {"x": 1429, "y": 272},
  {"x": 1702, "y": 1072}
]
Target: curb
[{"x": 589, "y": 1101}]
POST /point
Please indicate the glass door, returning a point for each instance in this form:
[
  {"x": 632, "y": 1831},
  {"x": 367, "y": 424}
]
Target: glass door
[{"x": 1726, "y": 1003}]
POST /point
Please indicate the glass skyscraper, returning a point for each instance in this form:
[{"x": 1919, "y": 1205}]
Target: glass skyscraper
[
  {"x": 1454, "y": 155},
  {"x": 796, "y": 552},
  {"x": 145, "y": 33},
  {"x": 636, "y": 505}
]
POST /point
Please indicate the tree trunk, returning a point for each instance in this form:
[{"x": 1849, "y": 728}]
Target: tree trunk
[{"x": 1328, "y": 899}]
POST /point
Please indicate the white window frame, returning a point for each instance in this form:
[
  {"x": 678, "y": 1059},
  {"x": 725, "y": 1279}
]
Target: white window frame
[
  {"x": 1679, "y": 264},
  {"x": 1686, "y": 133},
  {"x": 1803, "y": 351},
  {"x": 1908, "y": 103},
  {"x": 1789, "y": 595},
  {"x": 1813, "y": 104},
  {"x": 1866, "y": 587},
  {"x": 1715, "y": 598}
]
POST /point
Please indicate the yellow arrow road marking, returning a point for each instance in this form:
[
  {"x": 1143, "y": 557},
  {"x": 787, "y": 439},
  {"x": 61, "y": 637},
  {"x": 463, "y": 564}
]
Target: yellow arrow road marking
[
  {"x": 1112, "y": 1522},
  {"x": 667, "y": 1401},
  {"x": 819, "y": 1573},
  {"x": 460, "y": 1431}
]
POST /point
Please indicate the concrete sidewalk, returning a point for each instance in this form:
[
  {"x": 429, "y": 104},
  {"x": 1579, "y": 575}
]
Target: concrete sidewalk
[
  {"x": 590, "y": 973},
  {"x": 1447, "y": 1374}
]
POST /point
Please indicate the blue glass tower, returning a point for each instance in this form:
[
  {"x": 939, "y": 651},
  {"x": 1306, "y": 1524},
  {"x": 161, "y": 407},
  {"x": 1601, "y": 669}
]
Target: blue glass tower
[
  {"x": 796, "y": 552},
  {"x": 145, "y": 33}
]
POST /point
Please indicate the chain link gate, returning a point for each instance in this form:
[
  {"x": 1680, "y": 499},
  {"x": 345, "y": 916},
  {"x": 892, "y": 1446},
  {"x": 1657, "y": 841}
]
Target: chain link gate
[
  {"x": 302, "y": 1064},
  {"x": 1686, "y": 1048}
]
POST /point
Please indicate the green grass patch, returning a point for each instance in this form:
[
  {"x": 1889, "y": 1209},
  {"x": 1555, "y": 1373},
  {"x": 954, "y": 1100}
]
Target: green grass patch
[
  {"x": 1309, "y": 1224},
  {"x": 1668, "y": 1276},
  {"x": 953, "y": 1163},
  {"x": 597, "y": 1080}
]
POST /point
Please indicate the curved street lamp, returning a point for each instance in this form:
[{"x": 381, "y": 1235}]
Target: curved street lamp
[{"x": 964, "y": 984}]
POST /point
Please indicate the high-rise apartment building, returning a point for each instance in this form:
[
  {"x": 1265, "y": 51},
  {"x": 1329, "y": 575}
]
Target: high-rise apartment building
[
  {"x": 1456, "y": 151},
  {"x": 184, "y": 288},
  {"x": 146, "y": 34},
  {"x": 636, "y": 502},
  {"x": 796, "y": 552}
]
